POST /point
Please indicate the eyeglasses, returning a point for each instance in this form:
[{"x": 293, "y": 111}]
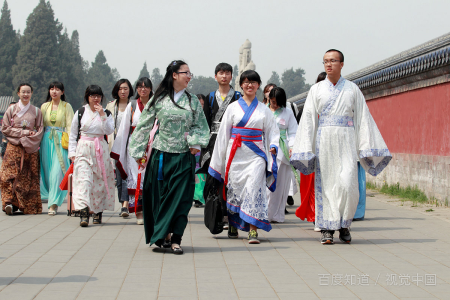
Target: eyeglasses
[
  {"x": 188, "y": 74},
  {"x": 333, "y": 61},
  {"x": 143, "y": 88},
  {"x": 95, "y": 96},
  {"x": 247, "y": 83}
]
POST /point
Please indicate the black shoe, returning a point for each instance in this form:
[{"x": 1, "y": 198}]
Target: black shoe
[
  {"x": 97, "y": 218},
  {"x": 197, "y": 204},
  {"x": 290, "y": 201},
  {"x": 84, "y": 217},
  {"x": 286, "y": 211},
  {"x": 327, "y": 237},
  {"x": 232, "y": 232},
  {"x": 167, "y": 243},
  {"x": 344, "y": 235},
  {"x": 177, "y": 250},
  {"x": 124, "y": 213}
]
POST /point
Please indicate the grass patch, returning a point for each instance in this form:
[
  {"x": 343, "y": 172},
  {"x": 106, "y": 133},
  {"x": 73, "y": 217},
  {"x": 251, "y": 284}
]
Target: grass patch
[
  {"x": 408, "y": 193},
  {"x": 429, "y": 210}
]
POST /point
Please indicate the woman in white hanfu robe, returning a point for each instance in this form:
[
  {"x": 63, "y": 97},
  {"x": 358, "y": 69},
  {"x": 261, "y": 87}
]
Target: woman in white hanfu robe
[
  {"x": 242, "y": 160},
  {"x": 331, "y": 144},
  {"x": 93, "y": 174},
  {"x": 287, "y": 124}
]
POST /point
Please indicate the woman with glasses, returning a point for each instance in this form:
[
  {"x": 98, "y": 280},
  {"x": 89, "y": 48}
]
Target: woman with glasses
[
  {"x": 169, "y": 178},
  {"x": 246, "y": 162},
  {"x": 122, "y": 92},
  {"x": 126, "y": 165},
  {"x": 58, "y": 115},
  {"x": 93, "y": 174},
  {"x": 22, "y": 126},
  {"x": 287, "y": 124}
]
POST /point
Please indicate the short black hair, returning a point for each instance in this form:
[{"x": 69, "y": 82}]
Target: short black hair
[
  {"x": 321, "y": 77},
  {"x": 93, "y": 90},
  {"x": 280, "y": 96},
  {"x": 341, "y": 55},
  {"x": 201, "y": 96},
  {"x": 24, "y": 84},
  {"x": 250, "y": 75},
  {"x": 58, "y": 85},
  {"x": 115, "y": 90},
  {"x": 146, "y": 82},
  {"x": 224, "y": 67}
]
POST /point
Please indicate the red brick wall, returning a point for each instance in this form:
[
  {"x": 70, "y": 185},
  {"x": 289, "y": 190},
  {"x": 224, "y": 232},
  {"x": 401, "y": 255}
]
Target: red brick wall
[{"x": 415, "y": 122}]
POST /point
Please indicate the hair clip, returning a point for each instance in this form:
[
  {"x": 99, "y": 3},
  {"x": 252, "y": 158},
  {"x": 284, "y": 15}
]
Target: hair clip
[{"x": 174, "y": 63}]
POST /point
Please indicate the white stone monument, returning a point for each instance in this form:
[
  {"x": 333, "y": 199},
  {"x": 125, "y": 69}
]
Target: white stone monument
[{"x": 245, "y": 62}]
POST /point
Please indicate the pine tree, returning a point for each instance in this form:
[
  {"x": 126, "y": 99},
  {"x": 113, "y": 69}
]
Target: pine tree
[
  {"x": 101, "y": 74},
  {"x": 9, "y": 46},
  {"x": 144, "y": 73},
  {"x": 38, "y": 58},
  {"x": 156, "y": 78},
  {"x": 275, "y": 79},
  {"x": 293, "y": 82},
  {"x": 71, "y": 72}
]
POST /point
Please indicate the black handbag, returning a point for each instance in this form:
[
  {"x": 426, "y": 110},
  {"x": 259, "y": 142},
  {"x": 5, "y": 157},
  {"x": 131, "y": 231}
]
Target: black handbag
[{"x": 213, "y": 207}]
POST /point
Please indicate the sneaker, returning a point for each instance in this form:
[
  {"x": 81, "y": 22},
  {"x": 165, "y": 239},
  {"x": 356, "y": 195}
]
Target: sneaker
[
  {"x": 225, "y": 223},
  {"x": 232, "y": 232},
  {"x": 52, "y": 210},
  {"x": 286, "y": 211},
  {"x": 253, "y": 237},
  {"x": 197, "y": 204},
  {"x": 140, "y": 221},
  {"x": 317, "y": 229},
  {"x": 344, "y": 235},
  {"x": 290, "y": 201},
  {"x": 9, "y": 209},
  {"x": 97, "y": 218},
  {"x": 327, "y": 237},
  {"x": 124, "y": 212}
]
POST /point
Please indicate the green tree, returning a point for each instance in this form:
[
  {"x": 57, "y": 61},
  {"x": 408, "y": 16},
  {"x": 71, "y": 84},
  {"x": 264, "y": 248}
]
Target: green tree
[
  {"x": 293, "y": 82},
  {"x": 202, "y": 85},
  {"x": 9, "y": 46},
  {"x": 38, "y": 59},
  {"x": 144, "y": 73},
  {"x": 275, "y": 79},
  {"x": 72, "y": 74},
  {"x": 101, "y": 74},
  {"x": 156, "y": 78}
]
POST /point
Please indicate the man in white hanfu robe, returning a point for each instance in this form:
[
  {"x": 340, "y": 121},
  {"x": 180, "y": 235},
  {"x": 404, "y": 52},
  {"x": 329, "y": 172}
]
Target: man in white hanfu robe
[
  {"x": 335, "y": 129},
  {"x": 242, "y": 160}
]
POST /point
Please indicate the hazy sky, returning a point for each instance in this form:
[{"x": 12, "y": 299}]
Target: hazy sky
[{"x": 283, "y": 34}]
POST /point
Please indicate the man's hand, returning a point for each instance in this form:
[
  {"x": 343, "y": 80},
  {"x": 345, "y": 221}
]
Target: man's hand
[
  {"x": 194, "y": 151},
  {"x": 273, "y": 151}
]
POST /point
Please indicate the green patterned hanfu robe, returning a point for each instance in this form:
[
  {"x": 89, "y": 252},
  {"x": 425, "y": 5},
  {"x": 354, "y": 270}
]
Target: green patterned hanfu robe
[{"x": 169, "y": 182}]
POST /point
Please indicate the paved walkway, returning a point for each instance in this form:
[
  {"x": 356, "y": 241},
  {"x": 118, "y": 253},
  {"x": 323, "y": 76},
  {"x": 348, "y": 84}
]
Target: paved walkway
[{"x": 396, "y": 253}]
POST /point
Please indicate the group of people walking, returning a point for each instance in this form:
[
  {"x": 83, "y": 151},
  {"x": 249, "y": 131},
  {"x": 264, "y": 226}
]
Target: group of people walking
[{"x": 169, "y": 147}]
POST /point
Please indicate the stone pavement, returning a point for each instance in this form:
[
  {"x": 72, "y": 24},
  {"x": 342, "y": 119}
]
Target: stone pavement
[{"x": 396, "y": 253}]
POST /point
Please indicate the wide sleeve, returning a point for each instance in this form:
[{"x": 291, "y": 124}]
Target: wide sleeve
[
  {"x": 119, "y": 148},
  {"x": 272, "y": 140},
  {"x": 373, "y": 153},
  {"x": 199, "y": 131},
  {"x": 292, "y": 127},
  {"x": 31, "y": 143},
  {"x": 73, "y": 136},
  {"x": 218, "y": 160},
  {"x": 139, "y": 139},
  {"x": 303, "y": 157},
  {"x": 8, "y": 129},
  {"x": 107, "y": 124},
  {"x": 69, "y": 117}
]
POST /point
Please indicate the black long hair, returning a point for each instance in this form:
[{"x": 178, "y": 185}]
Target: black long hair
[
  {"x": 58, "y": 85},
  {"x": 116, "y": 88},
  {"x": 165, "y": 88}
]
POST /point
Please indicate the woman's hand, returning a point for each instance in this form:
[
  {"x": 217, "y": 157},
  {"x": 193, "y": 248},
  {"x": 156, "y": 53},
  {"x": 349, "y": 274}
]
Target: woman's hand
[
  {"x": 72, "y": 158},
  {"x": 31, "y": 133},
  {"x": 194, "y": 151},
  {"x": 273, "y": 151},
  {"x": 98, "y": 108}
]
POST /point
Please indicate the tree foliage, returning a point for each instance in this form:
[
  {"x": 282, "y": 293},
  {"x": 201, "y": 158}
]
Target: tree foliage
[
  {"x": 102, "y": 75},
  {"x": 9, "y": 46},
  {"x": 202, "y": 85},
  {"x": 144, "y": 73},
  {"x": 156, "y": 78},
  {"x": 293, "y": 82},
  {"x": 38, "y": 59},
  {"x": 274, "y": 78}
]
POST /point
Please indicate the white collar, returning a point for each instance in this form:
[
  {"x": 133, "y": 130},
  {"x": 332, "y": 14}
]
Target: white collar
[
  {"x": 23, "y": 108},
  {"x": 178, "y": 95}
]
